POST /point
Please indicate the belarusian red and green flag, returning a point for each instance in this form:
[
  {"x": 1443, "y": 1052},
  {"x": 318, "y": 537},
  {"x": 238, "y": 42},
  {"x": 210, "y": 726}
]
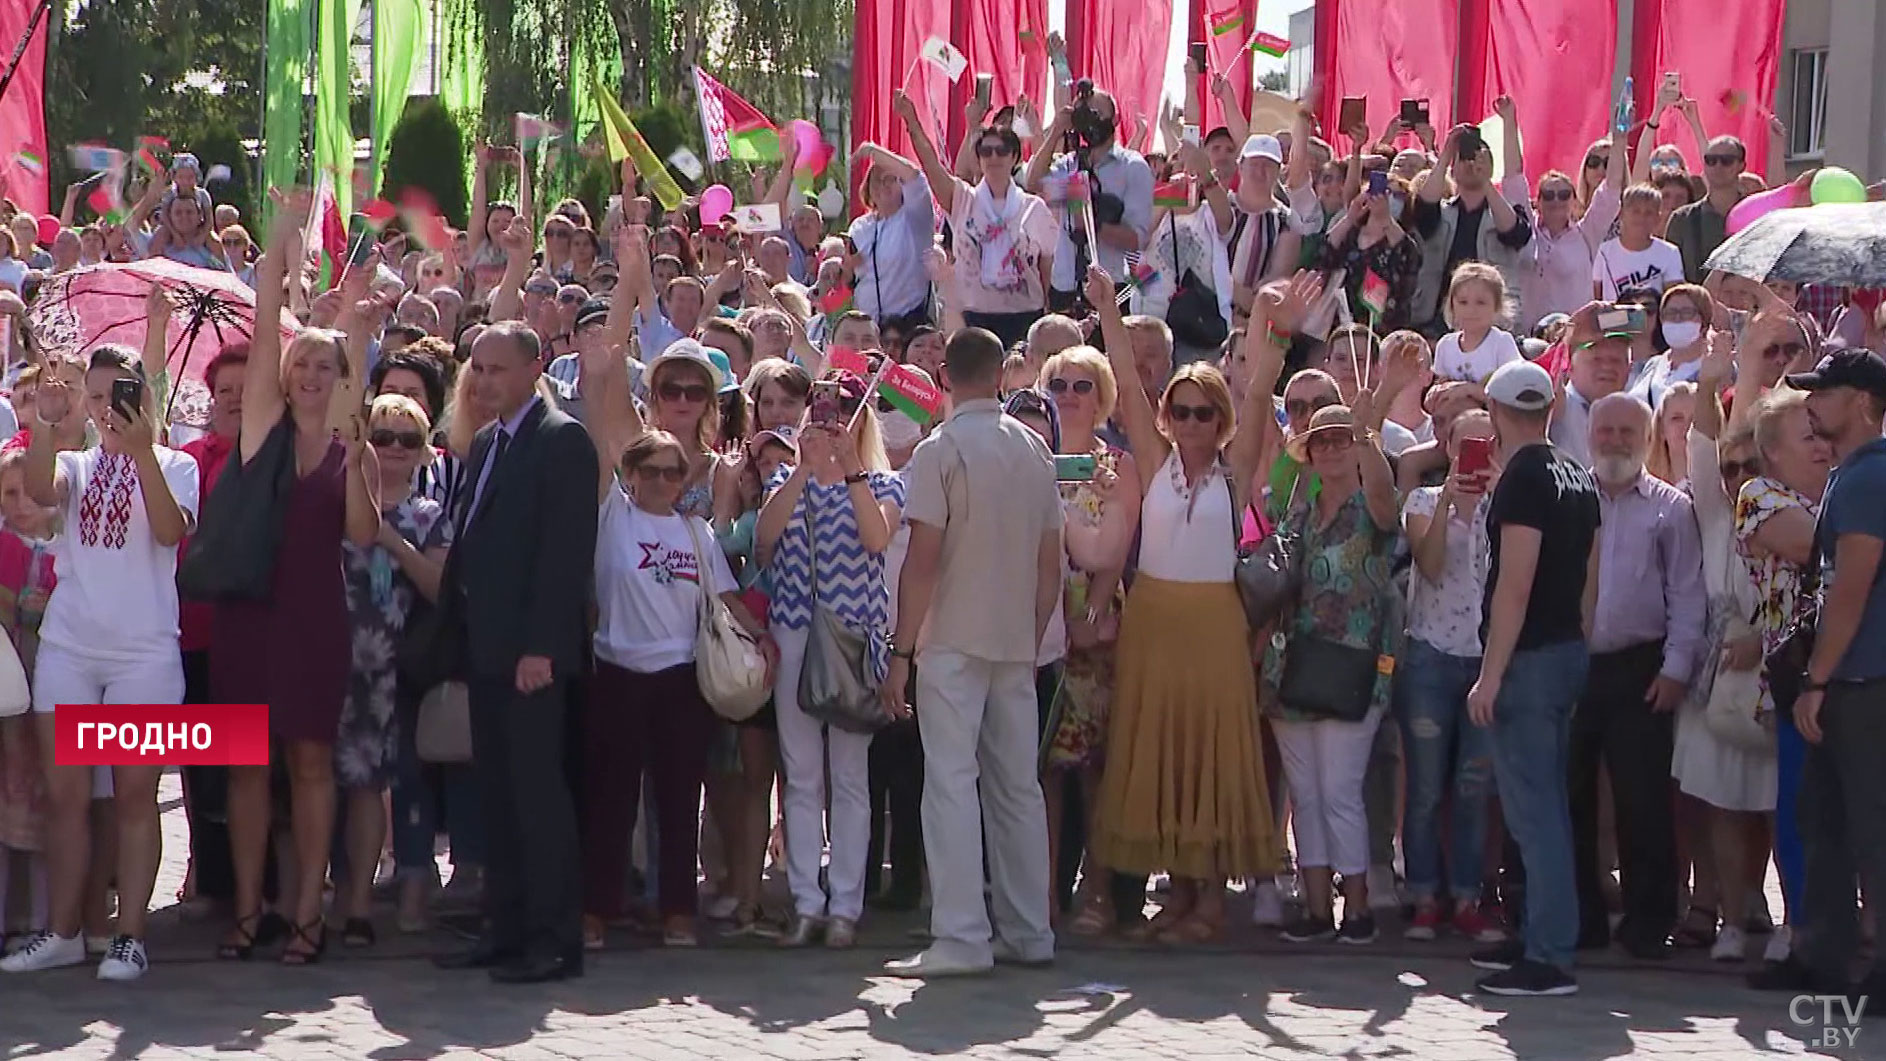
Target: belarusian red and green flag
[
  {"x": 1270, "y": 44},
  {"x": 1226, "y": 22},
  {"x": 734, "y": 129},
  {"x": 1374, "y": 294},
  {"x": 32, "y": 161},
  {"x": 1175, "y": 194}
]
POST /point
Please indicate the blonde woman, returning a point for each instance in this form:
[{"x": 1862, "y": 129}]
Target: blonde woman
[
  {"x": 1184, "y": 789},
  {"x": 1102, "y": 515},
  {"x": 1669, "y": 458}
]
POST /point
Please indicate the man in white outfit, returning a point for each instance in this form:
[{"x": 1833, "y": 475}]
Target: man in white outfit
[{"x": 980, "y": 583}]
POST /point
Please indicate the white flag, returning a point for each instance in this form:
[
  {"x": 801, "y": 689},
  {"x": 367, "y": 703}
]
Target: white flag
[
  {"x": 95, "y": 158},
  {"x": 944, "y": 56},
  {"x": 688, "y": 163},
  {"x": 757, "y": 219}
]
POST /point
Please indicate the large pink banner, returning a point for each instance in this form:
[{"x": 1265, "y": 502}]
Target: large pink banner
[
  {"x": 1225, "y": 28},
  {"x": 1729, "y": 53},
  {"x": 1386, "y": 51},
  {"x": 24, "y": 155},
  {"x": 886, "y": 53},
  {"x": 1554, "y": 57},
  {"x": 1122, "y": 45},
  {"x": 1007, "y": 39}
]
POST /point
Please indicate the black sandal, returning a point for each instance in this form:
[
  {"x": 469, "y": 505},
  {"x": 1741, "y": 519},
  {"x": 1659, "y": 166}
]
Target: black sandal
[
  {"x": 357, "y": 932},
  {"x": 291, "y": 956},
  {"x": 243, "y": 951}
]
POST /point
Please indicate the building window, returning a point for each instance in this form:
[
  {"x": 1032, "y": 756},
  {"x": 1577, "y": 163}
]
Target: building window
[{"x": 1807, "y": 118}]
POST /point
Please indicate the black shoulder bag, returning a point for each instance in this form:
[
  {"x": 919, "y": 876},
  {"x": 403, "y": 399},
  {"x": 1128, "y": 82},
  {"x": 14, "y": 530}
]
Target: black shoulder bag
[{"x": 231, "y": 556}]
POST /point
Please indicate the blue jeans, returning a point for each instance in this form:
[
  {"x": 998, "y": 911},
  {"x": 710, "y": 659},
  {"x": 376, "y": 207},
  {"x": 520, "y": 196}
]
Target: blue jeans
[
  {"x": 1790, "y": 854},
  {"x": 417, "y": 809},
  {"x": 1443, "y": 750},
  {"x": 1531, "y": 740}
]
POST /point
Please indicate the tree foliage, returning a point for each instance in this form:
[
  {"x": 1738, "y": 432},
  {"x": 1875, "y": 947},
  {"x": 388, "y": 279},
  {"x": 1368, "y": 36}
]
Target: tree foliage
[{"x": 426, "y": 152}]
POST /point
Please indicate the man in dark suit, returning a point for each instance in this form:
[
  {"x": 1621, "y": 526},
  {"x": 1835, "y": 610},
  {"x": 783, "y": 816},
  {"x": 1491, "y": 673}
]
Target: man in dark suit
[{"x": 517, "y": 584}]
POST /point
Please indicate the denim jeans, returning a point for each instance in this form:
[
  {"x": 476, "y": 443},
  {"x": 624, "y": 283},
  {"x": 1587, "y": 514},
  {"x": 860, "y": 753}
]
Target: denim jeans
[
  {"x": 417, "y": 807},
  {"x": 1842, "y": 807},
  {"x": 1531, "y": 740},
  {"x": 1444, "y": 751}
]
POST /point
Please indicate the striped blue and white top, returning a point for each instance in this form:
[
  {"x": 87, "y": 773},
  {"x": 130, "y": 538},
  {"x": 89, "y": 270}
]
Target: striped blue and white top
[{"x": 850, "y": 577}]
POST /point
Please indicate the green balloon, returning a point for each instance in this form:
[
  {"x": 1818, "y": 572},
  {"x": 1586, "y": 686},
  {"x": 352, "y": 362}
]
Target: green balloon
[{"x": 1836, "y": 185}]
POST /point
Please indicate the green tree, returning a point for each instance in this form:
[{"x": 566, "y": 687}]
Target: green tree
[
  {"x": 425, "y": 152},
  {"x": 1274, "y": 81}
]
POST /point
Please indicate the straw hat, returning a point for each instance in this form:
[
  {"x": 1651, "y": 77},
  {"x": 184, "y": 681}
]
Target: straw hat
[{"x": 1328, "y": 419}]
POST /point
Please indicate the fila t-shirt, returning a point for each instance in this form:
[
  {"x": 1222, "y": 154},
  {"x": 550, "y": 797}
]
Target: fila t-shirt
[
  {"x": 648, "y": 585},
  {"x": 116, "y": 597},
  {"x": 1655, "y": 267},
  {"x": 1546, "y": 490}
]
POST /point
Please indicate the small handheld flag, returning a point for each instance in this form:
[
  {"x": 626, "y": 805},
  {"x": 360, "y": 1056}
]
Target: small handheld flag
[
  {"x": 423, "y": 220},
  {"x": 909, "y": 393},
  {"x": 1270, "y": 44},
  {"x": 944, "y": 56},
  {"x": 31, "y": 161},
  {"x": 756, "y": 219},
  {"x": 1226, "y": 22},
  {"x": 1374, "y": 294},
  {"x": 533, "y": 130},
  {"x": 95, "y": 158},
  {"x": 1175, "y": 194}
]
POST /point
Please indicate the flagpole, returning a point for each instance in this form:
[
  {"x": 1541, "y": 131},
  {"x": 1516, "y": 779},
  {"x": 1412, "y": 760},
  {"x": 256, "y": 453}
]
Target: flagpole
[{"x": 373, "y": 94}]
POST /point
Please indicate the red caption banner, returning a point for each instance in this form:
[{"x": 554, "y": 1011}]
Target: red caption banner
[{"x": 161, "y": 735}]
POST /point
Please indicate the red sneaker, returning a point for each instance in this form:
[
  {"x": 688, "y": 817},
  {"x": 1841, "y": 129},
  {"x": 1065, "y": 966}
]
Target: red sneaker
[
  {"x": 1426, "y": 920},
  {"x": 1469, "y": 922}
]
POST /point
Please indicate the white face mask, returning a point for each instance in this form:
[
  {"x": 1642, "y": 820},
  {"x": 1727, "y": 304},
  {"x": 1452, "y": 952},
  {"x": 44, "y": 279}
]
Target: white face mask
[
  {"x": 899, "y": 431},
  {"x": 1680, "y": 334}
]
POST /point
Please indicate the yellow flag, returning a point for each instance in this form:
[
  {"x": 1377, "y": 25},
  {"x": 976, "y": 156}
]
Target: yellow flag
[{"x": 625, "y": 141}]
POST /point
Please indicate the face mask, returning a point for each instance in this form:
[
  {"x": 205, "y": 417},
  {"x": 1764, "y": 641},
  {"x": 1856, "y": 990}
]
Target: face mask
[
  {"x": 1396, "y": 204},
  {"x": 899, "y": 431},
  {"x": 1680, "y": 334}
]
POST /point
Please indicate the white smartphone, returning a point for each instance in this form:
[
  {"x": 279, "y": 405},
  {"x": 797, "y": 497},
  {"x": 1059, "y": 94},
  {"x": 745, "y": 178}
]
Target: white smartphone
[{"x": 1190, "y": 135}]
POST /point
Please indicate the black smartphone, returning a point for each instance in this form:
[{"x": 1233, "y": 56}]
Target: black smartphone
[
  {"x": 1198, "y": 55},
  {"x": 359, "y": 240},
  {"x": 1355, "y": 111},
  {"x": 127, "y": 397},
  {"x": 1414, "y": 112},
  {"x": 1471, "y": 144}
]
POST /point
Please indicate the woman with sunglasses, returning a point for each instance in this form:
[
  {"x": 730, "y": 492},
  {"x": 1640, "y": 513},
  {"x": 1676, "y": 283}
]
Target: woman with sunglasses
[
  {"x": 1183, "y": 788},
  {"x": 824, "y": 529},
  {"x": 644, "y": 710},
  {"x": 1367, "y": 240},
  {"x": 1005, "y": 237},
  {"x": 1102, "y": 516},
  {"x": 374, "y": 747},
  {"x": 1555, "y": 268}
]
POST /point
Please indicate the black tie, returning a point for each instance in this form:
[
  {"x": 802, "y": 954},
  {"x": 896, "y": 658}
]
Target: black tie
[{"x": 490, "y": 478}]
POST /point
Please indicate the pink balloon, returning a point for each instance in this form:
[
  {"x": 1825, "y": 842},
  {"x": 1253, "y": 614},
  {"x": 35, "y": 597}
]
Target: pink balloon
[
  {"x": 814, "y": 153},
  {"x": 1744, "y": 213},
  {"x": 715, "y": 202}
]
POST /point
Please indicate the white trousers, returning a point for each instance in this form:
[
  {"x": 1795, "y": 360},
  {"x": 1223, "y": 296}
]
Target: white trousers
[
  {"x": 1324, "y": 765},
  {"x": 807, "y": 750},
  {"x": 61, "y": 676},
  {"x": 979, "y": 725}
]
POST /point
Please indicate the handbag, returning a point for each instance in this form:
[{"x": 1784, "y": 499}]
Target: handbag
[
  {"x": 1327, "y": 679},
  {"x": 1270, "y": 577},
  {"x": 15, "y": 696},
  {"x": 837, "y": 684},
  {"x": 728, "y": 664},
  {"x": 1193, "y": 313},
  {"x": 442, "y": 733},
  {"x": 231, "y": 555},
  {"x": 1730, "y": 714}
]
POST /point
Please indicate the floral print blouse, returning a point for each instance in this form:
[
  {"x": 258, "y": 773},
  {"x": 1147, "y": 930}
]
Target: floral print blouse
[
  {"x": 1777, "y": 579},
  {"x": 1347, "y": 581}
]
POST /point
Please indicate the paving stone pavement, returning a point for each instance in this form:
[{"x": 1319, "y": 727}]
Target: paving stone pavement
[{"x": 1392, "y": 1001}]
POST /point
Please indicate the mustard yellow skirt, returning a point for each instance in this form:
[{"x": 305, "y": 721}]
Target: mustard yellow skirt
[{"x": 1184, "y": 788}]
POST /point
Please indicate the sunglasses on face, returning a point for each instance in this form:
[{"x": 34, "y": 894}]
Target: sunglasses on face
[
  {"x": 1595, "y": 162},
  {"x": 991, "y": 151},
  {"x": 675, "y": 392},
  {"x": 381, "y": 438},
  {"x": 569, "y": 300},
  {"x": 672, "y": 473},
  {"x": 1298, "y": 408},
  {"x": 1737, "y": 469},
  {"x": 1555, "y": 195},
  {"x": 1336, "y": 440},
  {"x": 1721, "y": 160},
  {"x": 1058, "y": 385},
  {"x": 1788, "y": 350},
  {"x": 1204, "y": 414}
]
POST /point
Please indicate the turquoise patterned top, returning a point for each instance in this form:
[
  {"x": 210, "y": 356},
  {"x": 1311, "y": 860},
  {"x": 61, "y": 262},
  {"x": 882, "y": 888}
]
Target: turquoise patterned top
[{"x": 1347, "y": 584}]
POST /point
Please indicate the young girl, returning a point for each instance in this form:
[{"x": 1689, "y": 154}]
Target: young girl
[
  {"x": 25, "y": 581},
  {"x": 1476, "y": 297}
]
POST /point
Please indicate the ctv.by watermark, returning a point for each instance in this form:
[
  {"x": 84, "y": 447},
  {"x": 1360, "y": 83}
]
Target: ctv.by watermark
[{"x": 1832, "y": 1022}]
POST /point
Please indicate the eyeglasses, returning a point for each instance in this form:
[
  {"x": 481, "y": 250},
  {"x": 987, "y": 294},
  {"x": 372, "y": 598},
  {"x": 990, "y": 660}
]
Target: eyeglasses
[
  {"x": 991, "y": 151},
  {"x": 1299, "y": 408},
  {"x": 1555, "y": 195},
  {"x": 1331, "y": 439},
  {"x": 1721, "y": 160},
  {"x": 675, "y": 392},
  {"x": 381, "y": 438},
  {"x": 1595, "y": 162},
  {"x": 1058, "y": 385},
  {"x": 1204, "y": 414},
  {"x": 673, "y": 473},
  {"x": 1737, "y": 469},
  {"x": 569, "y": 299}
]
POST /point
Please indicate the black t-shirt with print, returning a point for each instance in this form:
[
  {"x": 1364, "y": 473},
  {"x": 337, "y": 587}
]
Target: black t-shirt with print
[{"x": 1544, "y": 489}]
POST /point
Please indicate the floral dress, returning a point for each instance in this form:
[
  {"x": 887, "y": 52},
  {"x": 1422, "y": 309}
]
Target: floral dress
[
  {"x": 1347, "y": 586},
  {"x": 379, "y": 598},
  {"x": 1086, "y": 696},
  {"x": 1777, "y": 579}
]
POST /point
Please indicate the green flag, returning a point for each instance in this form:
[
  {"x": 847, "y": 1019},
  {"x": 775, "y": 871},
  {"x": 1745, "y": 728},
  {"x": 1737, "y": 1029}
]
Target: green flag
[
  {"x": 625, "y": 141},
  {"x": 287, "y": 47},
  {"x": 333, "y": 81},
  {"x": 462, "y": 79},
  {"x": 398, "y": 28}
]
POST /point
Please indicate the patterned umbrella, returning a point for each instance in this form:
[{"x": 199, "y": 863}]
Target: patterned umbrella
[
  {"x": 77, "y": 311},
  {"x": 1839, "y": 244}
]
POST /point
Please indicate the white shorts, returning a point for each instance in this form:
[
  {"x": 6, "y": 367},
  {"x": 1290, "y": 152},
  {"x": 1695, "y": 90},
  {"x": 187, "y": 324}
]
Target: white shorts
[{"x": 61, "y": 676}]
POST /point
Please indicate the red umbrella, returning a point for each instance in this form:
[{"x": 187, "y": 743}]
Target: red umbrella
[{"x": 77, "y": 311}]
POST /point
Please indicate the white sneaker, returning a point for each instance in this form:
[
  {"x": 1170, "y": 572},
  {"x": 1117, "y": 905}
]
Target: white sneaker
[
  {"x": 124, "y": 960},
  {"x": 1780, "y": 944},
  {"x": 1731, "y": 945},
  {"x": 1267, "y": 905},
  {"x": 45, "y": 951}
]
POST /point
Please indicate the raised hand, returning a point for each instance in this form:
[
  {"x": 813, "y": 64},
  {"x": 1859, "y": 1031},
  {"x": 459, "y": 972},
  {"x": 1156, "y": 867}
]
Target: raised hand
[
  {"x": 902, "y": 106},
  {"x": 1099, "y": 288},
  {"x": 1503, "y": 106},
  {"x": 1289, "y": 301}
]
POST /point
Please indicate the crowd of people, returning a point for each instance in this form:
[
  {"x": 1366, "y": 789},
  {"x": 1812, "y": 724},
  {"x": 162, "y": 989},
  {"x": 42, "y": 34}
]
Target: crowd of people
[{"x": 1576, "y": 551}]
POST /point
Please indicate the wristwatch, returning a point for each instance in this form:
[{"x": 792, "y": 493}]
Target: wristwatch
[
  {"x": 1809, "y": 685},
  {"x": 854, "y": 480}
]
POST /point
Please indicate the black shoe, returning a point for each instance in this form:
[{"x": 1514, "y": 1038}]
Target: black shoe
[
  {"x": 536, "y": 970},
  {"x": 1500, "y": 956},
  {"x": 1306, "y": 929},
  {"x": 481, "y": 955},
  {"x": 1357, "y": 930},
  {"x": 1789, "y": 974},
  {"x": 1646, "y": 950},
  {"x": 1529, "y": 979}
]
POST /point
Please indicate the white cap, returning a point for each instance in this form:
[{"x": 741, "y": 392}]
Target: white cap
[
  {"x": 1520, "y": 385},
  {"x": 1262, "y": 145}
]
